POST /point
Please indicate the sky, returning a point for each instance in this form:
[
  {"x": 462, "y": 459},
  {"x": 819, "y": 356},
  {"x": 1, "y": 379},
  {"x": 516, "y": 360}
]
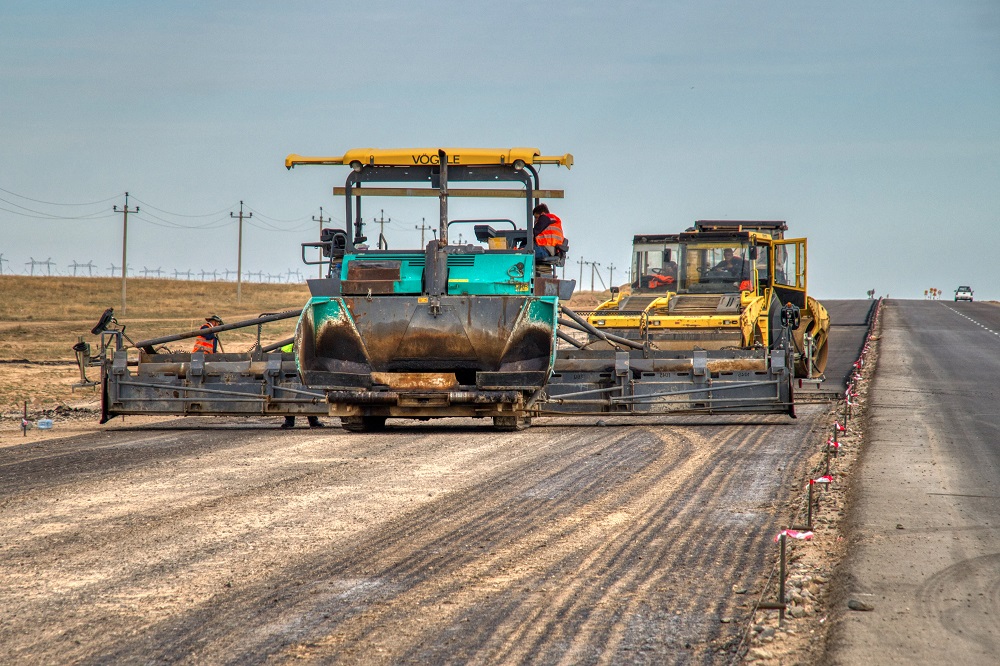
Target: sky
[{"x": 873, "y": 129}]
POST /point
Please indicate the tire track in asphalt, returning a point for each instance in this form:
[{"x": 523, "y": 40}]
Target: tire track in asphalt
[
  {"x": 401, "y": 576},
  {"x": 547, "y": 492}
]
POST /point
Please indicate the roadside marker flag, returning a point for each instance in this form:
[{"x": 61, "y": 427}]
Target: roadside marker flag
[{"x": 794, "y": 534}]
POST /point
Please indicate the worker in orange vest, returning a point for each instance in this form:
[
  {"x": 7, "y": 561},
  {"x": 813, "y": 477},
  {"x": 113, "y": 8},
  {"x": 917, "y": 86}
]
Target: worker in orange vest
[
  {"x": 547, "y": 230},
  {"x": 209, "y": 342}
]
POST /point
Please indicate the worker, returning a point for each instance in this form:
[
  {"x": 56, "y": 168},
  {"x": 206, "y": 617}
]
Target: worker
[
  {"x": 548, "y": 232},
  {"x": 665, "y": 276},
  {"x": 730, "y": 263},
  {"x": 209, "y": 342},
  {"x": 289, "y": 422}
]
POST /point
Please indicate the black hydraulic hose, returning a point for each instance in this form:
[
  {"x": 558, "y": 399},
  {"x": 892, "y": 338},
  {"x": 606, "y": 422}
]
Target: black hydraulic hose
[
  {"x": 584, "y": 325},
  {"x": 274, "y": 346},
  {"x": 570, "y": 339},
  {"x": 147, "y": 345}
]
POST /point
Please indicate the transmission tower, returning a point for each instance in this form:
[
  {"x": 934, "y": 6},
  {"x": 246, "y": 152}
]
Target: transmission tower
[
  {"x": 89, "y": 266},
  {"x": 2, "y": 261},
  {"x": 48, "y": 263}
]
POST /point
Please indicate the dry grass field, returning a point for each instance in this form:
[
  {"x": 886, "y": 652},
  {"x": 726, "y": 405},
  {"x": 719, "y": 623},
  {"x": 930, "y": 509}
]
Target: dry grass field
[{"x": 41, "y": 318}]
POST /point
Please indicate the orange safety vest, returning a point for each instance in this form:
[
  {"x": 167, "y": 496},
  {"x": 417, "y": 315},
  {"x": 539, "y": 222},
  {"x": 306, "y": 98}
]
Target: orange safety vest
[
  {"x": 551, "y": 235},
  {"x": 203, "y": 345}
]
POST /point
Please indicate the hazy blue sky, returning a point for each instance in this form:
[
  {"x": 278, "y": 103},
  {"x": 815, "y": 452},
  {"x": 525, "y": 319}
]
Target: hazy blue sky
[{"x": 872, "y": 128}]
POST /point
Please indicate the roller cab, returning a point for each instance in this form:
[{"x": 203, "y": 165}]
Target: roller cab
[{"x": 719, "y": 285}]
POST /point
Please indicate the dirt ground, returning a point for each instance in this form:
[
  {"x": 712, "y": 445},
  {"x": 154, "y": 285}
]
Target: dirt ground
[{"x": 227, "y": 541}]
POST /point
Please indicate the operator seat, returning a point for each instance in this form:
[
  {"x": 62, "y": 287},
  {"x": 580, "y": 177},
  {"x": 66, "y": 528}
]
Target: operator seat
[{"x": 548, "y": 265}]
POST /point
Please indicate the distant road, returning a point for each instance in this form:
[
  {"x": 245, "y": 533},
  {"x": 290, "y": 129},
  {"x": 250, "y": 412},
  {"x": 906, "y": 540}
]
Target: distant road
[
  {"x": 925, "y": 545},
  {"x": 848, "y": 328}
]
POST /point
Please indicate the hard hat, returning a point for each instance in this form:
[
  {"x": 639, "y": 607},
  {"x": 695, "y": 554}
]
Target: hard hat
[{"x": 214, "y": 318}]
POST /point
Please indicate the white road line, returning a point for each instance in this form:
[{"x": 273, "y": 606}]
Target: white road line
[{"x": 961, "y": 314}]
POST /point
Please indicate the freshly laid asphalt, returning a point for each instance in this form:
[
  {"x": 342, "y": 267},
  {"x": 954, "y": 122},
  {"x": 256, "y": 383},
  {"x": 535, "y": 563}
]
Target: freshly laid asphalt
[{"x": 924, "y": 546}]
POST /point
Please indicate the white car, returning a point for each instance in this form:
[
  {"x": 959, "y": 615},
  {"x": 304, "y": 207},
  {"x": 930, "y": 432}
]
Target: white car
[{"x": 963, "y": 293}]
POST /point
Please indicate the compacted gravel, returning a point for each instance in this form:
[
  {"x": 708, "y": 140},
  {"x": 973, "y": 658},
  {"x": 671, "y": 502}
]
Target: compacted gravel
[{"x": 229, "y": 541}]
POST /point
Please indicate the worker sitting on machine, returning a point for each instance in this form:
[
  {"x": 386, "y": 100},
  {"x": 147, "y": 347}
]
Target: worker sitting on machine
[
  {"x": 730, "y": 264},
  {"x": 548, "y": 232},
  {"x": 663, "y": 278}
]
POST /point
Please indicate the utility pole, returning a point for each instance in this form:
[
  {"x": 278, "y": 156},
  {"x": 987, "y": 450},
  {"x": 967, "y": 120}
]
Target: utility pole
[
  {"x": 581, "y": 262},
  {"x": 593, "y": 268},
  {"x": 239, "y": 252},
  {"x": 321, "y": 221},
  {"x": 381, "y": 230},
  {"x": 611, "y": 274},
  {"x": 124, "y": 211},
  {"x": 423, "y": 227},
  {"x": 603, "y": 286},
  {"x": 2, "y": 260}
]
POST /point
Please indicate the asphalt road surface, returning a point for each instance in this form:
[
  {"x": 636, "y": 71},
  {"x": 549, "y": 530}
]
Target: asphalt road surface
[
  {"x": 229, "y": 541},
  {"x": 925, "y": 545}
]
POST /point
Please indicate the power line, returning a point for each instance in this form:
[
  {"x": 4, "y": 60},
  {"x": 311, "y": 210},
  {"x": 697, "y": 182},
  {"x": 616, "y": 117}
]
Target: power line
[
  {"x": 53, "y": 203},
  {"x": 147, "y": 205},
  {"x": 39, "y": 215}
]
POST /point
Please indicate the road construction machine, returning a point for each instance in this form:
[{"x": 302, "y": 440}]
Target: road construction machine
[
  {"x": 720, "y": 285},
  {"x": 478, "y": 329},
  {"x": 449, "y": 329}
]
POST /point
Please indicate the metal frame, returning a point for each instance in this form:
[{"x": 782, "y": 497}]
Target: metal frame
[{"x": 438, "y": 176}]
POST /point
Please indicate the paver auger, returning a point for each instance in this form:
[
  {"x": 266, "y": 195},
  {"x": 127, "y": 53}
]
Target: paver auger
[{"x": 445, "y": 330}]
